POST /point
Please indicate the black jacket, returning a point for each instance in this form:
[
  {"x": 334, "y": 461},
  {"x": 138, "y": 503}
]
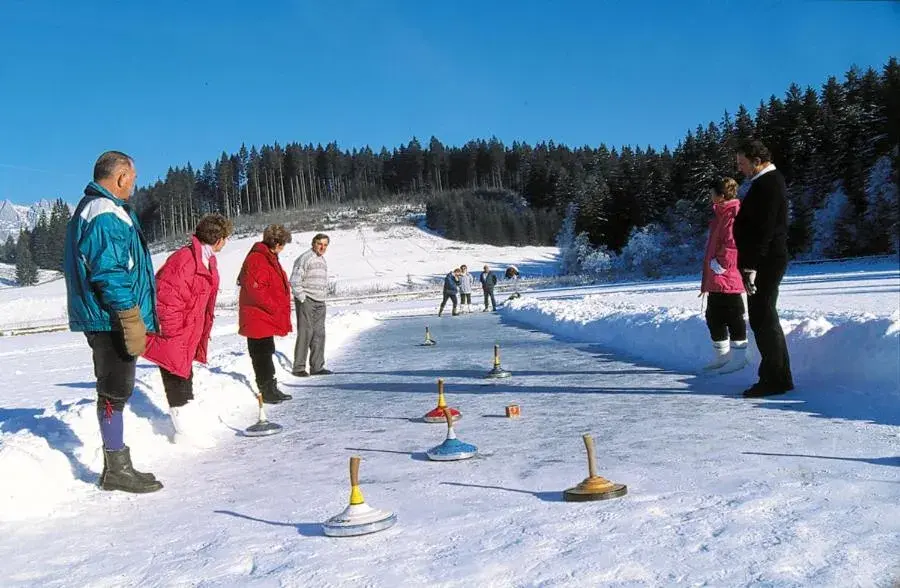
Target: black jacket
[
  {"x": 488, "y": 281},
  {"x": 760, "y": 228}
]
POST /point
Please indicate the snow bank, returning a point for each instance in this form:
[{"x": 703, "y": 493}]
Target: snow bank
[
  {"x": 53, "y": 455},
  {"x": 841, "y": 348}
]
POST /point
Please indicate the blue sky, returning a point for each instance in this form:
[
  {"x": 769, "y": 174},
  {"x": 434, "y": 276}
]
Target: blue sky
[{"x": 175, "y": 81}]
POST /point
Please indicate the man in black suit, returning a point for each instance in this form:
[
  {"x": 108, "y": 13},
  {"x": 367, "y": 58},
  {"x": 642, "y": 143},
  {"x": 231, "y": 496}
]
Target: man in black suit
[{"x": 760, "y": 231}]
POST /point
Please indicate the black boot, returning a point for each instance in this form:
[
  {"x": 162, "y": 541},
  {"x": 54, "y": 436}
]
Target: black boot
[
  {"x": 120, "y": 475},
  {"x": 143, "y": 475},
  {"x": 279, "y": 393},
  {"x": 268, "y": 391}
]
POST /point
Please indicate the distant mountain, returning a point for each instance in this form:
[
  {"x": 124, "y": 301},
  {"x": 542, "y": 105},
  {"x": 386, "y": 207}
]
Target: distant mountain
[{"x": 15, "y": 217}]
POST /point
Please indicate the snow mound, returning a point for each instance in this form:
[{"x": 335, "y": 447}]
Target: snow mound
[
  {"x": 50, "y": 457},
  {"x": 856, "y": 349}
]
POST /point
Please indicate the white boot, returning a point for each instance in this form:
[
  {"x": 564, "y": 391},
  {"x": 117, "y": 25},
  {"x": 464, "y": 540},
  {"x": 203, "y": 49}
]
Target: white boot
[
  {"x": 188, "y": 429},
  {"x": 721, "y": 350},
  {"x": 738, "y": 358}
]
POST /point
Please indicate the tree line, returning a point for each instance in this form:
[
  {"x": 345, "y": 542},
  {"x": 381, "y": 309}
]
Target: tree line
[
  {"x": 39, "y": 248},
  {"x": 495, "y": 217},
  {"x": 824, "y": 141}
]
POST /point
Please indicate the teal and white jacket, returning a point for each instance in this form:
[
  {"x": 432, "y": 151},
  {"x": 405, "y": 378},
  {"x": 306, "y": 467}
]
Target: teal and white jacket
[{"x": 107, "y": 264}]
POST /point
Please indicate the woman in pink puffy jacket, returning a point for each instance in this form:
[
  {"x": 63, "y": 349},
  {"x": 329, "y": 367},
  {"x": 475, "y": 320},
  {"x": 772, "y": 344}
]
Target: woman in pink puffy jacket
[
  {"x": 722, "y": 282},
  {"x": 186, "y": 286}
]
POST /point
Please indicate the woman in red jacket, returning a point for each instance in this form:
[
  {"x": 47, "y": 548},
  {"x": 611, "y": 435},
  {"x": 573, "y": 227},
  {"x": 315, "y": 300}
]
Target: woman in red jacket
[
  {"x": 264, "y": 308},
  {"x": 186, "y": 286},
  {"x": 722, "y": 281}
]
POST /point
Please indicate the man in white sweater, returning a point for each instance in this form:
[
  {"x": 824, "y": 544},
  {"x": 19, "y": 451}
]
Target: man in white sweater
[{"x": 309, "y": 285}]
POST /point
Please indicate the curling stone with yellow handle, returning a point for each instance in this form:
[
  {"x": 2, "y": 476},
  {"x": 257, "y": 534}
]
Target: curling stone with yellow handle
[
  {"x": 436, "y": 415},
  {"x": 358, "y": 518}
]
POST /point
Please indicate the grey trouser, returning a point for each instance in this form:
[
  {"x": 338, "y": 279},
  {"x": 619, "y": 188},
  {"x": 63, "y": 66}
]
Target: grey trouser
[{"x": 310, "y": 335}]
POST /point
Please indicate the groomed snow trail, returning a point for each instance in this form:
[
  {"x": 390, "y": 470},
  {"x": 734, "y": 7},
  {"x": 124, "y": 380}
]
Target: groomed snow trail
[{"x": 721, "y": 491}]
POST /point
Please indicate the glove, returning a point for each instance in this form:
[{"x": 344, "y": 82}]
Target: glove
[
  {"x": 134, "y": 330},
  {"x": 716, "y": 267},
  {"x": 301, "y": 299},
  {"x": 750, "y": 282}
]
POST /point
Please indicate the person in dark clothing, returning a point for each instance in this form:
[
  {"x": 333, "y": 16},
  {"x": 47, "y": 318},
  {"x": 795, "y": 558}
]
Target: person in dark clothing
[
  {"x": 488, "y": 282},
  {"x": 760, "y": 232},
  {"x": 451, "y": 289}
]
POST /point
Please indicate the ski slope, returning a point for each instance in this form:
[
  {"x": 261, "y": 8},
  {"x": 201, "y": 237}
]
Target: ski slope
[{"x": 799, "y": 490}]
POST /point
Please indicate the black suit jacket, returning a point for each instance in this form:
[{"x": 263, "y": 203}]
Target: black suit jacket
[{"x": 760, "y": 228}]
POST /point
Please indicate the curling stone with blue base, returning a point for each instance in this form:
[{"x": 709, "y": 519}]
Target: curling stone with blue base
[
  {"x": 452, "y": 449},
  {"x": 358, "y": 518}
]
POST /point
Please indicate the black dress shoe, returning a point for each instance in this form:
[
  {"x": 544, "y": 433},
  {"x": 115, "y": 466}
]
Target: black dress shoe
[
  {"x": 300, "y": 374},
  {"x": 759, "y": 390},
  {"x": 322, "y": 372}
]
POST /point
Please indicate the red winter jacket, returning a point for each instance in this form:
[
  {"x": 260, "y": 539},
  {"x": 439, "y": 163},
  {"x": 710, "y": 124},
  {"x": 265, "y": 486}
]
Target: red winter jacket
[
  {"x": 721, "y": 246},
  {"x": 264, "y": 305},
  {"x": 185, "y": 301}
]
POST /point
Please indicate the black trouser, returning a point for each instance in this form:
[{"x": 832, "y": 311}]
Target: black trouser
[
  {"x": 490, "y": 293},
  {"x": 775, "y": 365},
  {"x": 114, "y": 368},
  {"x": 448, "y": 296},
  {"x": 724, "y": 315},
  {"x": 179, "y": 391},
  {"x": 261, "y": 352},
  {"x": 466, "y": 298}
]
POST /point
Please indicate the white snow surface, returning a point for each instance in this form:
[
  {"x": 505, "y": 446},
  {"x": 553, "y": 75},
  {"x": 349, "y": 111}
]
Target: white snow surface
[{"x": 796, "y": 490}]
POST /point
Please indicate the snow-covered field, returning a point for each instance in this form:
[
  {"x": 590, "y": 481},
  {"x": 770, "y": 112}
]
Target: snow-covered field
[
  {"x": 366, "y": 260},
  {"x": 799, "y": 490}
]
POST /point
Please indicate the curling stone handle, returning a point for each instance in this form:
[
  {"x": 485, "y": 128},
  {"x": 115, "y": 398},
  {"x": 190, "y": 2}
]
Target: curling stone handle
[
  {"x": 496, "y": 355},
  {"x": 589, "y": 445},
  {"x": 449, "y": 416},
  {"x": 354, "y": 471},
  {"x": 440, "y": 386}
]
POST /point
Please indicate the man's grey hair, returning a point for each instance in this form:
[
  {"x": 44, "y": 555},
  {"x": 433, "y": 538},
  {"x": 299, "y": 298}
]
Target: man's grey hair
[{"x": 109, "y": 163}]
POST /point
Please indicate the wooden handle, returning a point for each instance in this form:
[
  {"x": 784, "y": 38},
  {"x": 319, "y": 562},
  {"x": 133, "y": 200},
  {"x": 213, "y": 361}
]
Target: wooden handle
[
  {"x": 449, "y": 416},
  {"x": 354, "y": 471},
  {"x": 259, "y": 401},
  {"x": 589, "y": 445},
  {"x": 440, "y": 385}
]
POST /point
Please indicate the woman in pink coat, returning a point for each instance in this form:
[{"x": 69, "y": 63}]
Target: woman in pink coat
[
  {"x": 186, "y": 286},
  {"x": 722, "y": 281}
]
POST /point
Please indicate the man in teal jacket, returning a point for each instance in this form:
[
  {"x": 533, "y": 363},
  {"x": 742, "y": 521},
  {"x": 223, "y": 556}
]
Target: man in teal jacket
[{"x": 111, "y": 293}]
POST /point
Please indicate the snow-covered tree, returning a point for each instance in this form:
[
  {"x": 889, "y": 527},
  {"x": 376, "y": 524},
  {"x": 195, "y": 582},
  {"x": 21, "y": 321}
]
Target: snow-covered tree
[
  {"x": 882, "y": 232},
  {"x": 832, "y": 224},
  {"x": 565, "y": 240}
]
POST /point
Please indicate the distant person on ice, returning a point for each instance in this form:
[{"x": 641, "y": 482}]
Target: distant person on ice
[
  {"x": 488, "y": 282},
  {"x": 451, "y": 289},
  {"x": 111, "y": 295},
  {"x": 186, "y": 288},
  {"x": 465, "y": 289},
  {"x": 512, "y": 273},
  {"x": 309, "y": 283},
  {"x": 722, "y": 282},
  {"x": 760, "y": 231},
  {"x": 264, "y": 308}
]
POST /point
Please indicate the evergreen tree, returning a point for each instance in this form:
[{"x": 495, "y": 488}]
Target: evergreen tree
[
  {"x": 8, "y": 253},
  {"x": 40, "y": 242},
  {"x": 26, "y": 269}
]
